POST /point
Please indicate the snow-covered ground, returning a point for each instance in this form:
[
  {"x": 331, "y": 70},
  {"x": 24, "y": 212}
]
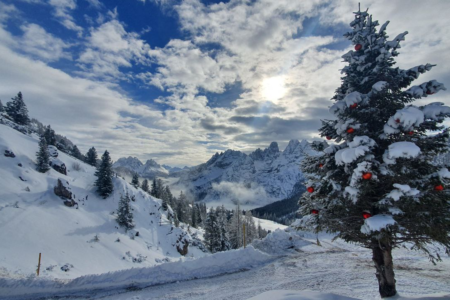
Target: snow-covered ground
[
  {"x": 34, "y": 220},
  {"x": 269, "y": 225}
]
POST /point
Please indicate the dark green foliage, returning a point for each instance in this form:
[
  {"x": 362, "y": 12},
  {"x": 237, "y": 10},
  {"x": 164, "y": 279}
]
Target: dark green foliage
[
  {"x": 153, "y": 191},
  {"x": 135, "y": 180},
  {"x": 2, "y": 108},
  {"x": 76, "y": 153},
  {"x": 212, "y": 232},
  {"x": 17, "y": 110},
  {"x": 91, "y": 157},
  {"x": 145, "y": 186},
  {"x": 42, "y": 164},
  {"x": 124, "y": 212},
  {"x": 49, "y": 135},
  {"x": 104, "y": 175}
]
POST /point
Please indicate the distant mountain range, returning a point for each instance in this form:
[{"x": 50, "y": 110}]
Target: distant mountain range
[{"x": 255, "y": 179}]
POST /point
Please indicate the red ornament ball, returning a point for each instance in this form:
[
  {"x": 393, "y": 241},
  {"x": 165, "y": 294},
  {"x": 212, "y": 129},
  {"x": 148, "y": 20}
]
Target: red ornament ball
[
  {"x": 328, "y": 137},
  {"x": 366, "y": 215},
  {"x": 350, "y": 130},
  {"x": 314, "y": 211},
  {"x": 411, "y": 132},
  {"x": 439, "y": 188},
  {"x": 430, "y": 93},
  {"x": 367, "y": 176},
  {"x": 354, "y": 105},
  {"x": 320, "y": 165},
  {"x": 397, "y": 120},
  {"x": 358, "y": 47},
  {"x": 310, "y": 189}
]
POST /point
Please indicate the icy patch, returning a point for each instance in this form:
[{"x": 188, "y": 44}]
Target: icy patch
[
  {"x": 376, "y": 223},
  {"x": 403, "y": 149}
]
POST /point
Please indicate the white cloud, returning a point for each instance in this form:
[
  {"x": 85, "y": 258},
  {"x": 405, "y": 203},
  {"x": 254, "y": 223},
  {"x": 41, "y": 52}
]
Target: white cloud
[
  {"x": 7, "y": 11},
  {"x": 110, "y": 47},
  {"x": 95, "y": 3},
  {"x": 38, "y": 42},
  {"x": 62, "y": 10}
]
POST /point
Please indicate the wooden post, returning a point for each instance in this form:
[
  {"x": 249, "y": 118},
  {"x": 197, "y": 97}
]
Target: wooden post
[
  {"x": 39, "y": 264},
  {"x": 243, "y": 226}
]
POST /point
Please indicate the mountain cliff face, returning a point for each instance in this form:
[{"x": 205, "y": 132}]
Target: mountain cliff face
[
  {"x": 130, "y": 165},
  {"x": 256, "y": 179}
]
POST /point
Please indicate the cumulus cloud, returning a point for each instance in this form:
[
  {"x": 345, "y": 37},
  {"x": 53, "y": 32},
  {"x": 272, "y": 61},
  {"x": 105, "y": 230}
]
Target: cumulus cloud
[{"x": 231, "y": 193}]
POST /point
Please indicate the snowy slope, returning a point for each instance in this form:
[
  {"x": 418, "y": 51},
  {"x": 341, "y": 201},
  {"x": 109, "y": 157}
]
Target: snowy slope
[
  {"x": 37, "y": 221},
  {"x": 257, "y": 179}
]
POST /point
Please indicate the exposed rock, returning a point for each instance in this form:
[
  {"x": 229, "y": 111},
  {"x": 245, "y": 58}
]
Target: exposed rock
[
  {"x": 70, "y": 203},
  {"x": 183, "y": 244},
  {"x": 9, "y": 153},
  {"x": 58, "y": 165},
  {"x": 52, "y": 151},
  {"x": 62, "y": 189},
  {"x": 19, "y": 164}
]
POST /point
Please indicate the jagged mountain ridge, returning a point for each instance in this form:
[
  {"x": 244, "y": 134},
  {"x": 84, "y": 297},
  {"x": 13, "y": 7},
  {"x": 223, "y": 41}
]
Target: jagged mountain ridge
[
  {"x": 255, "y": 179},
  {"x": 129, "y": 165}
]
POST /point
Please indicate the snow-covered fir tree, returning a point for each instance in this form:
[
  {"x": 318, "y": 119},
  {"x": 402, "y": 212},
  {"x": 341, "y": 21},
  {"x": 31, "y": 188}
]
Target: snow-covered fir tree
[
  {"x": 224, "y": 240},
  {"x": 43, "y": 157},
  {"x": 49, "y": 135},
  {"x": 379, "y": 188},
  {"x": 251, "y": 231},
  {"x": 75, "y": 152},
  {"x": 135, "y": 180},
  {"x": 145, "y": 186},
  {"x": 235, "y": 228},
  {"x": 91, "y": 157},
  {"x": 2, "y": 108},
  {"x": 124, "y": 212},
  {"x": 153, "y": 190},
  {"x": 104, "y": 175},
  {"x": 212, "y": 232},
  {"x": 17, "y": 110}
]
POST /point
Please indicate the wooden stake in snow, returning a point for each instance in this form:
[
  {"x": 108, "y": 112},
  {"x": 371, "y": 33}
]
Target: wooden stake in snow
[{"x": 39, "y": 264}]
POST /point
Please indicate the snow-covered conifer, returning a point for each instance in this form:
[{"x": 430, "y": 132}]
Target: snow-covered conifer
[
  {"x": 212, "y": 233},
  {"x": 135, "y": 180},
  {"x": 104, "y": 175},
  {"x": 124, "y": 212},
  {"x": 76, "y": 153},
  {"x": 43, "y": 157},
  {"x": 235, "y": 228},
  {"x": 145, "y": 186},
  {"x": 2, "y": 108},
  {"x": 17, "y": 110},
  {"x": 224, "y": 240},
  {"x": 91, "y": 157},
  {"x": 379, "y": 188},
  {"x": 49, "y": 135},
  {"x": 153, "y": 190}
]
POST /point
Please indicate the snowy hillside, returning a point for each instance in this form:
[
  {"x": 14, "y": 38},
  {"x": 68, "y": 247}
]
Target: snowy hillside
[
  {"x": 130, "y": 165},
  {"x": 84, "y": 237},
  {"x": 262, "y": 177}
]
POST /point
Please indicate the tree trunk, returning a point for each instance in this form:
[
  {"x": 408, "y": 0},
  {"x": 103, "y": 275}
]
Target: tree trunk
[{"x": 382, "y": 257}]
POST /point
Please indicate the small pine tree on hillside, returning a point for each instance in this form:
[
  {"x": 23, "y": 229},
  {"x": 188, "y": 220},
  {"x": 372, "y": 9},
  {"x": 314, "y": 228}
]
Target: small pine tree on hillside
[
  {"x": 124, "y": 212},
  {"x": 235, "y": 228},
  {"x": 104, "y": 175},
  {"x": 145, "y": 186},
  {"x": 379, "y": 188},
  {"x": 153, "y": 191},
  {"x": 2, "y": 108},
  {"x": 17, "y": 110},
  {"x": 135, "y": 180},
  {"x": 43, "y": 158},
  {"x": 49, "y": 135},
  {"x": 91, "y": 157},
  {"x": 76, "y": 153},
  {"x": 212, "y": 232},
  {"x": 169, "y": 196}
]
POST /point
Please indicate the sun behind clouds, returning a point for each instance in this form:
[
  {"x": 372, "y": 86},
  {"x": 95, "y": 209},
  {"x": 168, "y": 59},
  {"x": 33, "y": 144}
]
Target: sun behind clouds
[{"x": 273, "y": 89}]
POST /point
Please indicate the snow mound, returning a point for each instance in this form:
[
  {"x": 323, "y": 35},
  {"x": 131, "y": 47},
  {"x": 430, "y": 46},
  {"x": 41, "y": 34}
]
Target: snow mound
[
  {"x": 403, "y": 149},
  {"x": 280, "y": 242},
  {"x": 298, "y": 295},
  {"x": 376, "y": 223}
]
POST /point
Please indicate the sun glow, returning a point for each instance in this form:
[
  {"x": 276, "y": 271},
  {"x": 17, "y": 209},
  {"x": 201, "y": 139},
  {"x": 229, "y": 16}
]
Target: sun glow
[{"x": 273, "y": 88}]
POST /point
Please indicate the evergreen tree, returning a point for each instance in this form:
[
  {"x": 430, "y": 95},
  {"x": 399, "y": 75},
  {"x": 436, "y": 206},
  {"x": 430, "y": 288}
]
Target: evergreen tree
[
  {"x": 159, "y": 189},
  {"x": 91, "y": 157},
  {"x": 124, "y": 212},
  {"x": 43, "y": 158},
  {"x": 135, "y": 180},
  {"x": 383, "y": 171},
  {"x": 76, "y": 153},
  {"x": 50, "y": 136},
  {"x": 212, "y": 234},
  {"x": 224, "y": 241},
  {"x": 153, "y": 191},
  {"x": 17, "y": 110},
  {"x": 165, "y": 205},
  {"x": 2, "y": 108},
  {"x": 144, "y": 186},
  {"x": 169, "y": 196},
  {"x": 194, "y": 215},
  {"x": 235, "y": 228},
  {"x": 251, "y": 232},
  {"x": 104, "y": 175}
]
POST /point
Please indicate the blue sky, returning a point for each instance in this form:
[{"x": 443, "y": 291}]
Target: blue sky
[{"x": 177, "y": 81}]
